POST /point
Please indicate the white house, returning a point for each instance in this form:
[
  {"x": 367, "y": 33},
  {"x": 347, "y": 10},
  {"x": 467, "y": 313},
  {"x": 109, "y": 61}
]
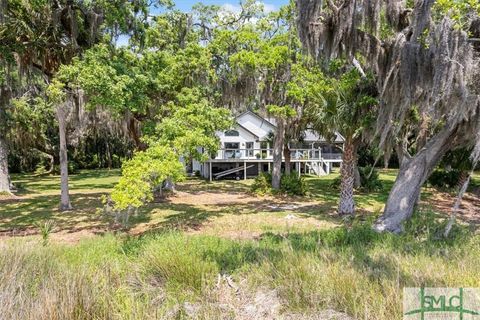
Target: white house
[{"x": 246, "y": 150}]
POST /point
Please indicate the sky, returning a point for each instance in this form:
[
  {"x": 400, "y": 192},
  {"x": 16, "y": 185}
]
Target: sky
[{"x": 185, "y": 5}]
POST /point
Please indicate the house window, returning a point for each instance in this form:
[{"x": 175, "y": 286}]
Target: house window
[
  {"x": 232, "y": 133},
  {"x": 249, "y": 147},
  {"x": 232, "y": 145},
  {"x": 264, "y": 152},
  {"x": 232, "y": 150}
]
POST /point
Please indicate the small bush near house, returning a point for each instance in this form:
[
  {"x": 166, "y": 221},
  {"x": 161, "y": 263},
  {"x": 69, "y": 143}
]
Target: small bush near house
[
  {"x": 262, "y": 184},
  {"x": 290, "y": 184}
]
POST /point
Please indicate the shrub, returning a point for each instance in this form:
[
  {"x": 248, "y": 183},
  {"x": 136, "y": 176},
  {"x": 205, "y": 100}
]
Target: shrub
[
  {"x": 72, "y": 168},
  {"x": 369, "y": 179},
  {"x": 262, "y": 183},
  {"x": 444, "y": 179},
  {"x": 335, "y": 184},
  {"x": 292, "y": 184}
]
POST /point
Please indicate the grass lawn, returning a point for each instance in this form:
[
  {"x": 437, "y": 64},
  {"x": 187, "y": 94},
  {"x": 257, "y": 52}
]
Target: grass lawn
[
  {"x": 214, "y": 251},
  {"x": 38, "y": 198},
  {"x": 218, "y": 208},
  {"x": 222, "y": 208}
]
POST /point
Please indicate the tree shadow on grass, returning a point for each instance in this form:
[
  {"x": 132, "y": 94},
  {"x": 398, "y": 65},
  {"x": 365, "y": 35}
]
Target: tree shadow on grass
[
  {"x": 171, "y": 216},
  {"x": 84, "y": 180},
  {"x": 199, "y": 186},
  {"x": 23, "y": 214}
]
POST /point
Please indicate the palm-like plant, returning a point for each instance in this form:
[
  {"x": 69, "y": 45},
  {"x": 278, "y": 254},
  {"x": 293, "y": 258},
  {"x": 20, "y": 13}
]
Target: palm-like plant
[{"x": 348, "y": 107}]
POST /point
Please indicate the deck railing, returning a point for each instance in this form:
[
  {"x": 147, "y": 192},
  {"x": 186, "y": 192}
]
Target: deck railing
[{"x": 267, "y": 154}]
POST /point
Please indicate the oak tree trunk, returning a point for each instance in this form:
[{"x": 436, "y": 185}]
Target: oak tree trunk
[
  {"x": 346, "y": 205},
  {"x": 287, "y": 156},
  {"x": 386, "y": 159},
  {"x": 413, "y": 173},
  {"x": 109, "y": 156},
  {"x": 4, "y": 178},
  {"x": 277, "y": 154},
  {"x": 62, "y": 129}
]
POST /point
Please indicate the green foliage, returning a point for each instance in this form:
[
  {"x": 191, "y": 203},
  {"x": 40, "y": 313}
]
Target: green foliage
[
  {"x": 445, "y": 179},
  {"x": 280, "y": 112},
  {"x": 457, "y": 10},
  {"x": 143, "y": 173},
  {"x": 55, "y": 91},
  {"x": 188, "y": 131},
  {"x": 290, "y": 184},
  {"x": 192, "y": 124},
  {"x": 46, "y": 227},
  {"x": 369, "y": 179},
  {"x": 459, "y": 159},
  {"x": 262, "y": 184},
  {"x": 348, "y": 103},
  {"x": 293, "y": 184}
]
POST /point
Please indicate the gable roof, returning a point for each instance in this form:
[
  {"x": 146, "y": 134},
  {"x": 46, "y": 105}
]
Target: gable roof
[
  {"x": 246, "y": 129},
  {"x": 309, "y": 134},
  {"x": 255, "y": 115}
]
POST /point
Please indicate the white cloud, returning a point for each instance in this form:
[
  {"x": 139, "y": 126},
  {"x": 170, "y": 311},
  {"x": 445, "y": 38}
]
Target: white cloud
[
  {"x": 236, "y": 8},
  {"x": 231, "y": 8},
  {"x": 267, "y": 7}
]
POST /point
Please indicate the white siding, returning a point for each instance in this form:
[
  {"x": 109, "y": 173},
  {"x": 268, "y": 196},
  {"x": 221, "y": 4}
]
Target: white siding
[{"x": 245, "y": 136}]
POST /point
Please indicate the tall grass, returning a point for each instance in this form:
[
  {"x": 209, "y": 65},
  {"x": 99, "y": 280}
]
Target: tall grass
[{"x": 350, "y": 269}]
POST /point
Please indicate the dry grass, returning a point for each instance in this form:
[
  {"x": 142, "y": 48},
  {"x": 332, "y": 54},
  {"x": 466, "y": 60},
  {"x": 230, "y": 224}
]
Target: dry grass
[
  {"x": 347, "y": 271},
  {"x": 284, "y": 258}
]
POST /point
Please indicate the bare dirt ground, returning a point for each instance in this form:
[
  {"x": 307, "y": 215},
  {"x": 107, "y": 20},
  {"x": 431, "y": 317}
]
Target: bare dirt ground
[
  {"x": 469, "y": 210},
  {"x": 227, "y": 210},
  {"x": 223, "y": 209}
]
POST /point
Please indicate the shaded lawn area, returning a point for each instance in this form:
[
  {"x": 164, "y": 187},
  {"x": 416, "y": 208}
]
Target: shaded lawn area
[
  {"x": 321, "y": 190},
  {"x": 38, "y": 197},
  {"x": 222, "y": 208}
]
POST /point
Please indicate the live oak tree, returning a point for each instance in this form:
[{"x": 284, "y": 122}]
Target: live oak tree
[
  {"x": 186, "y": 131},
  {"x": 43, "y": 35},
  {"x": 163, "y": 87},
  {"x": 425, "y": 60}
]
